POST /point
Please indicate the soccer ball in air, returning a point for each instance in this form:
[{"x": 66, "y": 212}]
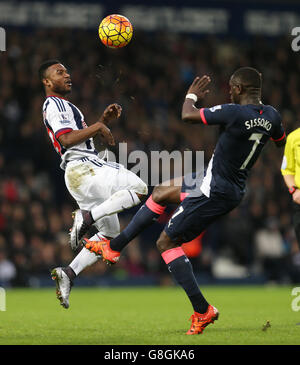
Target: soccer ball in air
[{"x": 115, "y": 31}]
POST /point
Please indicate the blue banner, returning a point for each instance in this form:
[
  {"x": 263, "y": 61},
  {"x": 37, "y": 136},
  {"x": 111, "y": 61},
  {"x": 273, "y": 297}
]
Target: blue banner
[{"x": 225, "y": 18}]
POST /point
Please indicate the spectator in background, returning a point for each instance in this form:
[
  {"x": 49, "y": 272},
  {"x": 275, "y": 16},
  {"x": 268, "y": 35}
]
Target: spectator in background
[
  {"x": 238, "y": 235},
  {"x": 7, "y": 270},
  {"x": 270, "y": 251}
]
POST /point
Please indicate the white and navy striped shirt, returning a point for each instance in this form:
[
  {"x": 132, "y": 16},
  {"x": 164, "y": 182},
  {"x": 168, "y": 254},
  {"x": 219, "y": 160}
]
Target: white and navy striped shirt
[{"x": 60, "y": 116}]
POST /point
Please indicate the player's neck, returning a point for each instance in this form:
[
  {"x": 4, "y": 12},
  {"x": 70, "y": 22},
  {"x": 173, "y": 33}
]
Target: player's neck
[
  {"x": 250, "y": 100},
  {"x": 52, "y": 93}
]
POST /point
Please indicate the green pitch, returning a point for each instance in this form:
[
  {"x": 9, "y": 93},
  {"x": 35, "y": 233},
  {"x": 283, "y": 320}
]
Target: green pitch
[{"x": 149, "y": 316}]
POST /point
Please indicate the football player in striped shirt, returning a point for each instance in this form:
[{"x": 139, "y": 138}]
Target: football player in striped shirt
[{"x": 101, "y": 188}]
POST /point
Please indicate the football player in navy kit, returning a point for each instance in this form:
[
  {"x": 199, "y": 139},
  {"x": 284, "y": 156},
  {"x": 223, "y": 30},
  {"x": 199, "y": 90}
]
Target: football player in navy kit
[{"x": 247, "y": 124}]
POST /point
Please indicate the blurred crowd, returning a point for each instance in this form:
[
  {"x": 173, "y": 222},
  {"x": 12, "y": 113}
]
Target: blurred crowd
[{"x": 149, "y": 78}]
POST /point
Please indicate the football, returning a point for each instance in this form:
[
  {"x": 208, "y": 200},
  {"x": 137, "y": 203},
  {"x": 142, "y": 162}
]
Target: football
[{"x": 115, "y": 31}]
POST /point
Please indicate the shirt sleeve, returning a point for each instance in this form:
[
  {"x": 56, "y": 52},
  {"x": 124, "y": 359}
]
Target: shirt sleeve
[
  {"x": 288, "y": 161},
  {"x": 60, "y": 122},
  {"x": 218, "y": 114},
  {"x": 278, "y": 132}
]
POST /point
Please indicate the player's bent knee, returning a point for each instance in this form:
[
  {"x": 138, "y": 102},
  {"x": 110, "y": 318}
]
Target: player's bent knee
[
  {"x": 141, "y": 189},
  {"x": 164, "y": 243},
  {"x": 157, "y": 195},
  {"x": 160, "y": 245},
  {"x": 141, "y": 196}
]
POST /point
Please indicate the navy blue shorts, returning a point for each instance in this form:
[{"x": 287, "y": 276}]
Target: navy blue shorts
[{"x": 195, "y": 214}]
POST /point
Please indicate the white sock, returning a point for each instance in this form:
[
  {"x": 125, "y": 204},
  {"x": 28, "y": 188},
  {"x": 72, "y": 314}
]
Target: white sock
[
  {"x": 85, "y": 258},
  {"x": 123, "y": 199}
]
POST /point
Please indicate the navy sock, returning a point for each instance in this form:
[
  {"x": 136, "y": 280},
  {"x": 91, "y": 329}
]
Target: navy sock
[
  {"x": 141, "y": 220},
  {"x": 182, "y": 271}
]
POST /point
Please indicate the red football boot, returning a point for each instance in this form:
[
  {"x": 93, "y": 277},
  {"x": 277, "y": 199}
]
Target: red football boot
[
  {"x": 103, "y": 249},
  {"x": 200, "y": 321}
]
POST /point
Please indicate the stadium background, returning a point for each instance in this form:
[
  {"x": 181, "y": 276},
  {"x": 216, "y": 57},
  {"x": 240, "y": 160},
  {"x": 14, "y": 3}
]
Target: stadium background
[{"x": 172, "y": 43}]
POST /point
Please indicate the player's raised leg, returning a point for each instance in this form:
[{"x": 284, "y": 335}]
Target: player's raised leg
[
  {"x": 84, "y": 219},
  {"x": 168, "y": 193},
  {"x": 119, "y": 189}
]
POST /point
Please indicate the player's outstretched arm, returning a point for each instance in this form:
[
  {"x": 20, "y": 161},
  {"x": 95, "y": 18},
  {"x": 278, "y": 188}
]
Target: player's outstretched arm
[
  {"x": 75, "y": 137},
  {"x": 196, "y": 92},
  {"x": 112, "y": 112}
]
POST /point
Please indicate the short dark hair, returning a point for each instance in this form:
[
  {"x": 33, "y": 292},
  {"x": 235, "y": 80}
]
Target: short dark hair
[
  {"x": 44, "y": 66},
  {"x": 249, "y": 77}
]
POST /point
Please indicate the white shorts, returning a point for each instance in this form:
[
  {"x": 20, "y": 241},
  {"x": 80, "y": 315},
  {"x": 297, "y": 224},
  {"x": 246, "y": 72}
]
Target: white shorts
[{"x": 91, "y": 181}]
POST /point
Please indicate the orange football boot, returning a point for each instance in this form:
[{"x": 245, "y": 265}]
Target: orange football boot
[
  {"x": 200, "y": 321},
  {"x": 103, "y": 249}
]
